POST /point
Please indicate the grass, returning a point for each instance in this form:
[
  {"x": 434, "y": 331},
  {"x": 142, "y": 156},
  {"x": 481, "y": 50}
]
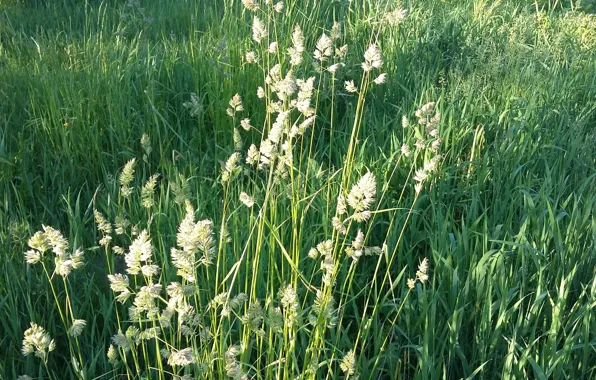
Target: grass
[{"x": 506, "y": 219}]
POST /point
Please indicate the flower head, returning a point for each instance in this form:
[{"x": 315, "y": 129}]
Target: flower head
[
  {"x": 259, "y": 31},
  {"x": 362, "y": 194},
  {"x": 37, "y": 341},
  {"x": 372, "y": 58}
]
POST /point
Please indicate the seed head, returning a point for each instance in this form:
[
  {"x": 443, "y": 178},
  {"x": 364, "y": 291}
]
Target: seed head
[
  {"x": 77, "y": 327},
  {"x": 382, "y": 78},
  {"x": 126, "y": 178},
  {"x": 324, "y": 48},
  {"x": 251, "y": 5},
  {"x": 279, "y": 7},
  {"x": 348, "y": 363},
  {"x": 246, "y": 199},
  {"x": 405, "y": 150},
  {"x": 235, "y": 105},
  {"x": 351, "y": 87},
  {"x": 362, "y": 194},
  {"x": 182, "y": 357},
  {"x": 272, "y": 49},
  {"x": 372, "y": 58},
  {"x": 259, "y": 31},
  {"x": 38, "y": 342}
]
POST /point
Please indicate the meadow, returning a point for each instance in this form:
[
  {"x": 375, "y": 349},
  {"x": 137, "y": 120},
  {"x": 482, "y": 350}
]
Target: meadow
[{"x": 306, "y": 189}]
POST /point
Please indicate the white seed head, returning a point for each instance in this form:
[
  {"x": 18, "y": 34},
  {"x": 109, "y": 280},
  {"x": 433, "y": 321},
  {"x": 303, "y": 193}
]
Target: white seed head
[
  {"x": 362, "y": 194},
  {"x": 338, "y": 225},
  {"x": 382, "y": 78},
  {"x": 250, "y": 57},
  {"x": 348, "y": 363},
  {"x": 350, "y": 86},
  {"x": 420, "y": 175},
  {"x": 77, "y": 327},
  {"x": 279, "y": 7},
  {"x": 32, "y": 256},
  {"x": 272, "y": 49},
  {"x": 259, "y": 30},
  {"x": 246, "y": 199},
  {"x": 405, "y": 150},
  {"x": 251, "y": 5},
  {"x": 245, "y": 124},
  {"x": 139, "y": 251},
  {"x": 335, "y": 31},
  {"x": 324, "y": 48},
  {"x": 118, "y": 282},
  {"x": 38, "y": 342},
  {"x": 341, "y": 51},
  {"x": 372, "y": 58},
  {"x": 405, "y": 123},
  {"x": 396, "y": 16},
  {"x": 260, "y": 93},
  {"x": 182, "y": 357}
]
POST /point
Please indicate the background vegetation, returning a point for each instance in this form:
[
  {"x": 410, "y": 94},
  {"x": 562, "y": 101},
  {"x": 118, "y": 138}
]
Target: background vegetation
[{"x": 507, "y": 222}]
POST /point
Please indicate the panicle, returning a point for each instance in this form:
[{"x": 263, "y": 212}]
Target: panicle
[
  {"x": 253, "y": 155},
  {"x": 102, "y": 224},
  {"x": 350, "y": 86},
  {"x": 118, "y": 282},
  {"x": 324, "y": 48},
  {"x": 305, "y": 92},
  {"x": 335, "y": 31},
  {"x": 341, "y": 51},
  {"x": 362, "y": 194},
  {"x": 237, "y": 140},
  {"x": 372, "y": 58},
  {"x": 182, "y": 358},
  {"x": 246, "y": 199},
  {"x": 396, "y": 16},
  {"x": 405, "y": 150},
  {"x": 295, "y": 52},
  {"x": 260, "y": 92},
  {"x": 382, "y": 78},
  {"x": 229, "y": 167},
  {"x": 56, "y": 240},
  {"x": 245, "y": 124},
  {"x": 112, "y": 355},
  {"x": 126, "y": 178},
  {"x": 235, "y": 105},
  {"x": 279, "y": 7},
  {"x": 39, "y": 242},
  {"x": 146, "y": 145},
  {"x": 195, "y": 105},
  {"x": 422, "y": 273},
  {"x": 355, "y": 250},
  {"x": 38, "y": 342},
  {"x": 250, "y": 57},
  {"x": 405, "y": 123},
  {"x": 32, "y": 256},
  {"x": 148, "y": 190},
  {"x": 272, "y": 49},
  {"x": 139, "y": 251},
  {"x": 259, "y": 30},
  {"x": 77, "y": 327},
  {"x": 251, "y": 5},
  {"x": 338, "y": 225},
  {"x": 348, "y": 363}
]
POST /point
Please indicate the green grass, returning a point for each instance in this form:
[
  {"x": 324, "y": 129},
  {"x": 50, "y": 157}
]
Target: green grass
[{"x": 507, "y": 220}]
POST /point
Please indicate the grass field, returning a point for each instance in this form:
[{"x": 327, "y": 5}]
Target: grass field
[{"x": 323, "y": 189}]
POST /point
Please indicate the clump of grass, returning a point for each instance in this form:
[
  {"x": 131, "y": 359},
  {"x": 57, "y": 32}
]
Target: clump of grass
[{"x": 382, "y": 206}]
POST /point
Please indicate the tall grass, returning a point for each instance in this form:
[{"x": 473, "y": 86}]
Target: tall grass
[{"x": 423, "y": 207}]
